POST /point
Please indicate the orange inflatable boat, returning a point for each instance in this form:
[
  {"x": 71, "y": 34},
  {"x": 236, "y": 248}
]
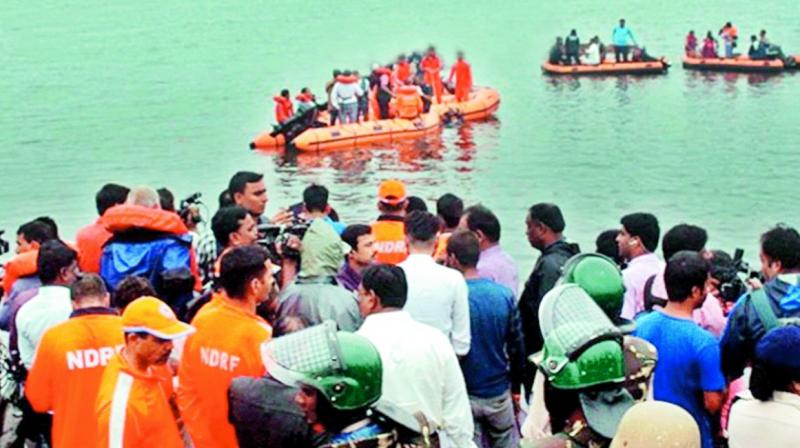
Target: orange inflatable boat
[
  {"x": 607, "y": 68},
  {"x": 739, "y": 64},
  {"x": 482, "y": 103},
  {"x": 266, "y": 140},
  {"x": 358, "y": 134}
]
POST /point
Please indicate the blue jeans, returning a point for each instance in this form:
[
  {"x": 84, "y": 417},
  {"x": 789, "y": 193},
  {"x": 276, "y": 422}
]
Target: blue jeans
[
  {"x": 494, "y": 420},
  {"x": 349, "y": 112}
]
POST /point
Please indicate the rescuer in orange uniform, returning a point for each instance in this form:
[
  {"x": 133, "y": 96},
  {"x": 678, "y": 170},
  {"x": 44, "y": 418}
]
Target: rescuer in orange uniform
[
  {"x": 402, "y": 70},
  {"x": 463, "y": 74},
  {"x": 390, "y": 230},
  {"x": 226, "y": 346},
  {"x": 135, "y": 404},
  {"x": 70, "y": 360},
  {"x": 431, "y": 64}
]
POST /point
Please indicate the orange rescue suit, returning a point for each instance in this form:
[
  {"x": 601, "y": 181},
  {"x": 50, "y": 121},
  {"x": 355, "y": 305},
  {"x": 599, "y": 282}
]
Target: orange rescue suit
[
  {"x": 409, "y": 102},
  {"x": 66, "y": 374},
  {"x": 134, "y": 408},
  {"x": 402, "y": 71},
  {"x": 390, "y": 239},
  {"x": 226, "y": 345},
  {"x": 284, "y": 109},
  {"x": 431, "y": 65},
  {"x": 463, "y": 73}
]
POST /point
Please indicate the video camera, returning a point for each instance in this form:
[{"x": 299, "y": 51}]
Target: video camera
[
  {"x": 189, "y": 211},
  {"x": 4, "y": 246},
  {"x": 732, "y": 279},
  {"x": 275, "y": 238}
]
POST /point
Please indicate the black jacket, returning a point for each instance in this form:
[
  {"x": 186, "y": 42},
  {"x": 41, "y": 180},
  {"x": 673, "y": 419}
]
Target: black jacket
[
  {"x": 544, "y": 276},
  {"x": 745, "y": 328},
  {"x": 264, "y": 413}
]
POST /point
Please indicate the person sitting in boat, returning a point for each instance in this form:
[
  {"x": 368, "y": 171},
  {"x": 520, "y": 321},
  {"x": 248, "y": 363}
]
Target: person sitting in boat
[
  {"x": 756, "y": 51},
  {"x": 690, "y": 48},
  {"x": 640, "y": 54},
  {"x": 409, "y": 101},
  {"x": 592, "y": 54},
  {"x": 572, "y": 46},
  {"x": 771, "y": 51},
  {"x": 284, "y": 109},
  {"x": 305, "y": 100},
  {"x": 709, "y": 47},
  {"x": 557, "y": 52},
  {"x": 363, "y": 99}
]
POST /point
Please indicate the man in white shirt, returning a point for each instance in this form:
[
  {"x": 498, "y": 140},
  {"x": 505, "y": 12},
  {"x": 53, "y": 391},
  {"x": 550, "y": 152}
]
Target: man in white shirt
[
  {"x": 637, "y": 240},
  {"x": 437, "y": 295},
  {"x": 420, "y": 368},
  {"x": 57, "y": 267}
]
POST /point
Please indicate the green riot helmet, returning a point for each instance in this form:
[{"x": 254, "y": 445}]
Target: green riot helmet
[
  {"x": 582, "y": 347},
  {"x": 344, "y": 367},
  {"x": 601, "y": 278}
]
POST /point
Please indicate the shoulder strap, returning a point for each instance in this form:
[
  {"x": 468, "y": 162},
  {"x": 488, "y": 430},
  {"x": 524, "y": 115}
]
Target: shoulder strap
[
  {"x": 763, "y": 309},
  {"x": 651, "y": 300}
]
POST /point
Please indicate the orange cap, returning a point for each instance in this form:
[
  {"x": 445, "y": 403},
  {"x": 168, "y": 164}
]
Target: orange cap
[
  {"x": 392, "y": 192},
  {"x": 152, "y": 316}
]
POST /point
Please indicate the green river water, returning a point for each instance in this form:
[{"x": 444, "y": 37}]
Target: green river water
[{"x": 171, "y": 93}]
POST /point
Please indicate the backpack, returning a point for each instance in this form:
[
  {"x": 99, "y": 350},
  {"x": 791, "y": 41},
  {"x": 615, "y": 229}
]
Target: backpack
[{"x": 766, "y": 314}]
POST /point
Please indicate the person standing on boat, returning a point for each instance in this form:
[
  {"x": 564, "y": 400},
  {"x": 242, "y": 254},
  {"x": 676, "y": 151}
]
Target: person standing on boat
[
  {"x": 572, "y": 45},
  {"x": 622, "y": 38},
  {"x": 463, "y": 74},
  {"x": 431, "y": 64},
  {"x": 332, "y": 110},
  {"x": 345, "y": 94},
  {"x": 402, "y": 70},
  {"x": 557, "y": 52},
  {"x": 690, "y": 48},
  {"x": 709, "y": 47},
  {"x": 729, "y": 35},
  {"x": 284, "y": 110}
]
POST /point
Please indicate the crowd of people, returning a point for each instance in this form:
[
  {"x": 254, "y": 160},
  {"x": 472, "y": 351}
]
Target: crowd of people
[
  {"x": 412, "y": 329},
  {"x": 760, "y": 46},
  {"x": 569, "y": 51},
  {"x": 414, "y": 83}
]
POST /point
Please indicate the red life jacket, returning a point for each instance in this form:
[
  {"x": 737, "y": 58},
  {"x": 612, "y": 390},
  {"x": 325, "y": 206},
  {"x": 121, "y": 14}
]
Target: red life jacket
[
  {"x": 403, "y": 70},
  {"x": 347, "y": 79},
  {"x": 284, "y": 109}
]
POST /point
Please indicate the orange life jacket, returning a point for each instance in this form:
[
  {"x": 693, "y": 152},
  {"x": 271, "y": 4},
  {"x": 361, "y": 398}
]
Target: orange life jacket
[
  {"x": 402, "y": 71},
  {"x": 431, "y": 64},
  {"x": 409, "y": 102},
  {"x": 347, "y": 79},
  {"x": 390, "y": 239},
  {"x": 90, "y": 241},
  {"x": 120, "y": 218},
  {"x": 304, "y": 97},
  {"x": 284, "y": 109},
  {"x": 440, "y": 253},
  {"x": 22, "y": 265}
]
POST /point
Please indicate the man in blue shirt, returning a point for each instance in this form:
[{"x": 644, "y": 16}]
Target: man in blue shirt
[
  {"x": 622, "y": 38},
  {"x": 495, "y": 362},
  {"x": 688, "y": 371}
]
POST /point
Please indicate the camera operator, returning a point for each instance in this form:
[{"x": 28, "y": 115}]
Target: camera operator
[{"x": 748, "y": 321}]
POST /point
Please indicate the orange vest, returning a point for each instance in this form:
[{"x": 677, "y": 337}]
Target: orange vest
[
  {"x": 402, "y": 71},
  {"x": 66, "y": 372},
  {"x": 226, "y": 345},
  {"x": 22, "y": 265},
  {"x": 90, "y": 241},
  {"x": 463, "y": 73},
  {"x": 440, "y": 254},
  {"x": 133, "y": 410},
  {"x": 409, "y": 102},
  {"x": 283, "y": 109},
  {"x": 390, "y": 239}
]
